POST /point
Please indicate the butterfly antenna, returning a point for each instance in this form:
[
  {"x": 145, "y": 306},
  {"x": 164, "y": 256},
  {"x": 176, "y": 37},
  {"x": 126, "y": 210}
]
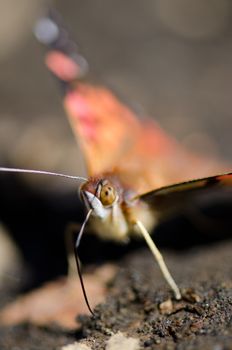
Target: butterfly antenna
[
  {"x": 41, "y": 172},
  {"x": 77, "y": 244},
  {"x": 163, "y": 267}
]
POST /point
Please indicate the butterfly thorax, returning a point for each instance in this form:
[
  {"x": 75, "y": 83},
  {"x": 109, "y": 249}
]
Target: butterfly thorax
[{"x": 114, "y": 208}]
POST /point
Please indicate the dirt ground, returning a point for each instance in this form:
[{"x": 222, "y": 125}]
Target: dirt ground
[
  {"x": 189, "y": 325},
  {"x": 202, "y": 320}
]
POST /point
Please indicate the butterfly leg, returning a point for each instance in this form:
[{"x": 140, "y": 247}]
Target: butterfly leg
[
  {"x": 71, "y": 231},
  {"x": 77, "y": 244},
  {"x": 159, "y": 259}
]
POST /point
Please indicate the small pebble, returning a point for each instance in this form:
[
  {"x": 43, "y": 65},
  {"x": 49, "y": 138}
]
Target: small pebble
[
  {"x": 166, "y": 307},
  {"x": 120, "y": 342},
  {"x": 76, "y": 346}
]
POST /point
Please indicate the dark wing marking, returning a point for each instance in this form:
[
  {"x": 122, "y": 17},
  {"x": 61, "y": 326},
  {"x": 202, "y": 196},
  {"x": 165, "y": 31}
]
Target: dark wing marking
[{"x": 177, "y": 195}]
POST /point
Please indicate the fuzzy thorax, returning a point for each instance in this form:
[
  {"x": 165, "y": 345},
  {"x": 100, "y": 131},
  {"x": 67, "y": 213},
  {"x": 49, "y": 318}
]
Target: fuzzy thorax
[{"x": 114, "y": 210}]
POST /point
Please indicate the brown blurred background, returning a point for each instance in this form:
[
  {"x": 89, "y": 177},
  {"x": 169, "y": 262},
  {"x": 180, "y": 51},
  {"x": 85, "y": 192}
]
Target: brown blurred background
[{"x": 171, "y": 59}]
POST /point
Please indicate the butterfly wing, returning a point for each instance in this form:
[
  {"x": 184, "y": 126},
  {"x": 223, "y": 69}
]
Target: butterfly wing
[
  {"x": 112, "y": 136},
  {"x": 100, "y": 122},
  {"x": 172, "y": 198},
  {"x": 96, "y": 118}
]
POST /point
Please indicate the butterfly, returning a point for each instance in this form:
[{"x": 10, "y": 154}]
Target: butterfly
[{"x": 130, "y": 161}]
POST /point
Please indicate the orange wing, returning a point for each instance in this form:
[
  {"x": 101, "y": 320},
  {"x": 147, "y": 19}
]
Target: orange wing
[
  {"x": 105, "y": 129},
  {"x": 112, "y": 137}
]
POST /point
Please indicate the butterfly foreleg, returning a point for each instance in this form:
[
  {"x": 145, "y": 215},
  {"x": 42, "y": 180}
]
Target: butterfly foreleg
[
  {"x": 78, "y": 264},
  {"x": 163, "y": 267},
  {"x": 72, "y": 229},
  {"x": 71, "y": 232}
]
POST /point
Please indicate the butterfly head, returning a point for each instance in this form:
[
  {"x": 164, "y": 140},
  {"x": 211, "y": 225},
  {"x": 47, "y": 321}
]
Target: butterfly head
[{"x": 100, "y": 196}]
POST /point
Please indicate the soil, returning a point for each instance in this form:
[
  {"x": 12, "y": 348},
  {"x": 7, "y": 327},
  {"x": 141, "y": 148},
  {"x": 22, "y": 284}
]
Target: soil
[{"x": 203, "y": 319}]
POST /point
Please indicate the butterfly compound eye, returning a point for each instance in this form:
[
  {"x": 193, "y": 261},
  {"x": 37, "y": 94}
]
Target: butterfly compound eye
[{"x": 107, "y": 195}]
